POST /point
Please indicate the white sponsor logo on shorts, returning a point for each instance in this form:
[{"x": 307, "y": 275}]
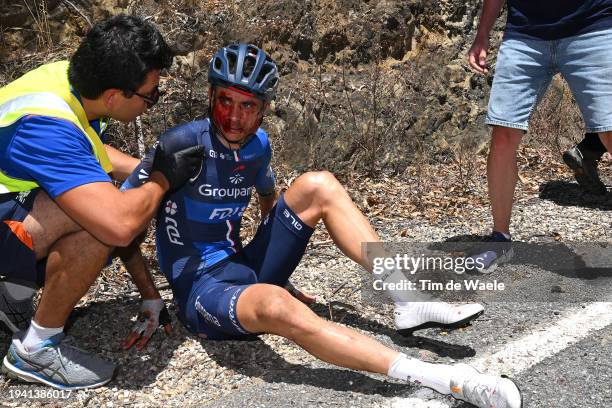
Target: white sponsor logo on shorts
[{"x": 207, "y": 316}]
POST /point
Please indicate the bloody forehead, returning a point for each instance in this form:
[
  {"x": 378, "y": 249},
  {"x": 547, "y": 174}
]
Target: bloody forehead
[{"x": 228, "y": 91}]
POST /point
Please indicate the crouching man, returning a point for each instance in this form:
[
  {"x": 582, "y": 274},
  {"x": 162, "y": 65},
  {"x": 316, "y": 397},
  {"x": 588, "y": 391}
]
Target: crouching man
[{"x": 61, "y": 215}]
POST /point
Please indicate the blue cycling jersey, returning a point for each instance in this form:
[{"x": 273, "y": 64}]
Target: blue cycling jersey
[{"x": 200, "y": 222}]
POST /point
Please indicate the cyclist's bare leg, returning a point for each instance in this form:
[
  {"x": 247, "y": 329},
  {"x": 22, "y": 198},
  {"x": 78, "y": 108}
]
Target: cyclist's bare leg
[{"x": 318, "y": 196}]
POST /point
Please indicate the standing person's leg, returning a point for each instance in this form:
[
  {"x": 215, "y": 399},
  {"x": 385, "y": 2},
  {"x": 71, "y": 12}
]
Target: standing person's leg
[
  {"x": 73, "y": 260},
  {"x": 502, "y": 175},
  {"x": 585, "y": 61},
  {"x": 522, "y": 75},
  {"x": 269, "y": 309}
]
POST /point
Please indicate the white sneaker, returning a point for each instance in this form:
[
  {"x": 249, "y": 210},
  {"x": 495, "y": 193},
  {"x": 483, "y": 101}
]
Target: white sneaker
[
  {"x": 484, "y": 391},
  {"x": 422, "y": 315}
]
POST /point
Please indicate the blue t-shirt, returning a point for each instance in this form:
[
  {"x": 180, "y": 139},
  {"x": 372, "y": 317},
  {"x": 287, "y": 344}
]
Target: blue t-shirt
[
  {"x": 200, "y": 222},
  {"x": 555, "y": 19},
  {"x": 50, "y": 151}
]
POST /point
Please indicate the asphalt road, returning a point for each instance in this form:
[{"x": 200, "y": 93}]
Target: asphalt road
[{"x": 560, "y": 354}]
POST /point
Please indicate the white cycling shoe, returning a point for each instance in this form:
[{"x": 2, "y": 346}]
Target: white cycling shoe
[
  {"x": 411, "y": 316},
  {"x": 484, "y": 391}
]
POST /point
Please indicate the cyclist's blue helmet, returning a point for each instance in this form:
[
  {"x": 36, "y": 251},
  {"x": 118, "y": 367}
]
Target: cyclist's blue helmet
[{"x": 245, "y": 67}]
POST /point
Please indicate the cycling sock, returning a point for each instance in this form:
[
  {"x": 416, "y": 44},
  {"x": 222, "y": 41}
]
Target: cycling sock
[
  {"x": 37, "y": 334},
  {"x": 435, "y": 376}
]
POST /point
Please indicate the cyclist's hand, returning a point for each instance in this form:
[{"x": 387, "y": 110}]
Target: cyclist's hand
[
  {"x": 477, "y": 56},
  {"x": 179, "y": 166},
  {"x": 153, "y": 313},
  {"x": 299, "y": 295}
]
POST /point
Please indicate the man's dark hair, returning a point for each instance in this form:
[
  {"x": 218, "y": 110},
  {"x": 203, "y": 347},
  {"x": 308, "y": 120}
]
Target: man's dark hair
[{"x": 117, "y": 53}]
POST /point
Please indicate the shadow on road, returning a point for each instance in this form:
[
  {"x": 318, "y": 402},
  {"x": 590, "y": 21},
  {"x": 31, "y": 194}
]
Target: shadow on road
[{"x": 570, "y": 194}]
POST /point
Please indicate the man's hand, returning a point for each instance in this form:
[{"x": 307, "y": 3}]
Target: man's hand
[
  {"x": 153, "y": 313},
  {"x": 177, "y": 167},
  {"x": 477, "y": 55}
]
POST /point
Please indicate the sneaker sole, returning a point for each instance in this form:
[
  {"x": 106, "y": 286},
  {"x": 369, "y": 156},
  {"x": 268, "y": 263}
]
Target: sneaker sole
[
  {"x": 449, "y": 326},
  {"x": 17, "y": 374}
]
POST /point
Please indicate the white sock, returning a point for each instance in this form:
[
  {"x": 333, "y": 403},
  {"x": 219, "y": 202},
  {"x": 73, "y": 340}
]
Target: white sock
[
  {"x": 435, "y": 376},
  {"x": 37, "y": 334}
]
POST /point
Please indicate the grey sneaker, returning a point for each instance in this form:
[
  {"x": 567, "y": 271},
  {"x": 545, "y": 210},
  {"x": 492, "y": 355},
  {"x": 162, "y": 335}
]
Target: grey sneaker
[
  {"x": 585, "y": 171},
  {"x": 484, "y": 391},
  {"x": 494, "y": 250},
  {"x": 16, "y": 306},
  {"x": 58, "y": 365}
]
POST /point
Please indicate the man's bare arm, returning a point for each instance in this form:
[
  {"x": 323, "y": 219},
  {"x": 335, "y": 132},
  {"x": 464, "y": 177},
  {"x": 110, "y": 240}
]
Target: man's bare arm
[
  {"x": 136, "y": 265},
  {"x": 477, "y": 54},
  {"x": 116, "y": 217},
  {"x": 112, "y": 216},
  {"x": 490, "y": 12},
  {"x": 123, "y": 164}
]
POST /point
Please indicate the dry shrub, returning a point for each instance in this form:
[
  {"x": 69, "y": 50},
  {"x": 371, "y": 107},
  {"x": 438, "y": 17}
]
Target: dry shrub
[{"x": 369, "y": 120}]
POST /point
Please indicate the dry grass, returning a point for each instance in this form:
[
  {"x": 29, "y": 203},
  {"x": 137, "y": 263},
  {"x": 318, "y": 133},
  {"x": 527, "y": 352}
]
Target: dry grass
[{"x": 40, "y": 14}]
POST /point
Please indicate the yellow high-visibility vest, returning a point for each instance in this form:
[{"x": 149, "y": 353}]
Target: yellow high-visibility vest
[{"x": 45, "y": 91}]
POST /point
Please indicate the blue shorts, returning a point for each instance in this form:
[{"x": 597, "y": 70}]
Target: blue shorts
[
  {"x": 207, "y": 302},
  {"x": 18, "y": 260},
  {"x": 525, "y": 68}
]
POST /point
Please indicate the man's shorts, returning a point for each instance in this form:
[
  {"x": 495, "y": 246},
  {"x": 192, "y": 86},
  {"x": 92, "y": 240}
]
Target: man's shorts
[
  {"x": 208, "y": 306},
  {"x": 17, "y": 257},
  {"x": 525, "y": 68}
]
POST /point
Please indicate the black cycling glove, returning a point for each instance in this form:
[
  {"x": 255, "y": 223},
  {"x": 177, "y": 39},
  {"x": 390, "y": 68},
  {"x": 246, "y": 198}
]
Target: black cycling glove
[{"x": 179, "y": 166}]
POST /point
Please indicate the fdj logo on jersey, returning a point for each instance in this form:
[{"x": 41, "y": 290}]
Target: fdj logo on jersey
[
  {"x": 170, "y": 207},
  {"x": 228, "y": 212},
  {"x": 174, "y": 236}
]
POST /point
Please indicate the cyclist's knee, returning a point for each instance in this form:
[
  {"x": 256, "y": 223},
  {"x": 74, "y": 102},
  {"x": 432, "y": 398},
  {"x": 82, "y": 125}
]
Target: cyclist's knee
[
  {"x": 321, "y": 184},
  {"x": 275, "y": 306}
]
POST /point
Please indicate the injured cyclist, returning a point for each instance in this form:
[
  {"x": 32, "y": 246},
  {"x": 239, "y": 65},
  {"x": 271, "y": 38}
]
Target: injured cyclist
[{"x": 225, "y": 290}]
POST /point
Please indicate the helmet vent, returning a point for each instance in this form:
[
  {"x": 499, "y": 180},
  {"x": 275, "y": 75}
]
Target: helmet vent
[
  {"x": 265, "y": 70},
  {"x": 218, "y": 64},
  {"x": 231, "y": 59},
  {"x": 249, "y": 65}
]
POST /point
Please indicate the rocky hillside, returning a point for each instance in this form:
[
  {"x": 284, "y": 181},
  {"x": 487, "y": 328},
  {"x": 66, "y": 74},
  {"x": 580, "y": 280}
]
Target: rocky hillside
[{"x": 371, "y": 86}]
